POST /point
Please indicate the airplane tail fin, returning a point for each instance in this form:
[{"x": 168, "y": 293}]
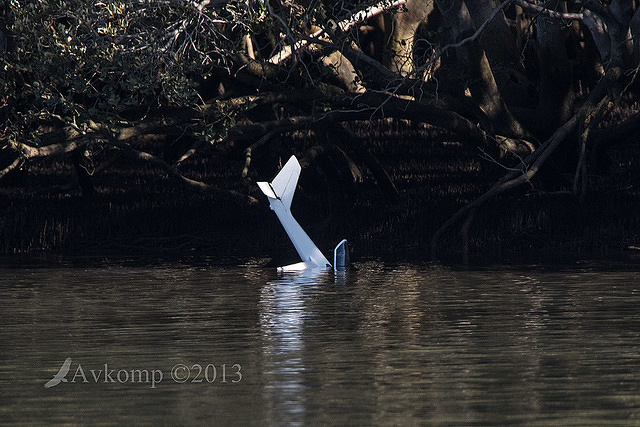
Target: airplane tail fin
[
  {"x": 341, "y": 255},
  {"x": 280, "y": 194},
  {"x": 284, "y": 184}
]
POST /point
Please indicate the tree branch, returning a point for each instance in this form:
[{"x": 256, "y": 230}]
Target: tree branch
[
  {"x": 586, "y": 125},
  {"x": 30, "y": 152},
  {"x": 477, "y": 33},
  {"x": 537, "y": 159},
  {"x": 343, "y": 25},
  {"x": 548, "y": 12},
  {"x": 248, "y": 152},
  {"x": 17, "y": 162},
  {"x": 371, "y": 107},
  {"x": 161, "y": 164}
]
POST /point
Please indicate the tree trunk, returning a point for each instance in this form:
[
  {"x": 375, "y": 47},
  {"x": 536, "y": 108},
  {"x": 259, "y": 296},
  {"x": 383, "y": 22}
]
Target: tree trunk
[
  {"x": 635, "y": 31},
  {"x": 555, "y": 90},
  {"x": 342, "y": 72},
  {"x": 398, "y": 53},
  {"x": 621, "y": 38},
  {"x": 502, "y": 52},
  {"x": 472, "y": 58}
]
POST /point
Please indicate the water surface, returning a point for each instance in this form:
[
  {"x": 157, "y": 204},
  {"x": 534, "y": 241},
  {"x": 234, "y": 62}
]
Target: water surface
[{"x": 381, "y": 344}]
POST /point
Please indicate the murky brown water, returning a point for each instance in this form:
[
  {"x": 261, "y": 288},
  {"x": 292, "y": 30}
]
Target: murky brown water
[{"x": 379, "y": 345}]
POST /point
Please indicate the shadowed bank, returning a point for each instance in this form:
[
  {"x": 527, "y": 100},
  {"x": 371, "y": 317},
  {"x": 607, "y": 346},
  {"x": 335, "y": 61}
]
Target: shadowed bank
[
  {"x": 134, "y": 212},
  {"x": 444, "y": 129}
]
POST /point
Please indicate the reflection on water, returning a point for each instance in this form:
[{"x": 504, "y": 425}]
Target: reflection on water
[
  {"x": 376, "y": 345},
  {"x": 285, "y": 309},
  {"x": 282, "y": 315}
]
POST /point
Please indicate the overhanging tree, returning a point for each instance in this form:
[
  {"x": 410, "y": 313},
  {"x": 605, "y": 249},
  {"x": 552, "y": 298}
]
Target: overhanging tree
[{"x": 516, "y": 78}]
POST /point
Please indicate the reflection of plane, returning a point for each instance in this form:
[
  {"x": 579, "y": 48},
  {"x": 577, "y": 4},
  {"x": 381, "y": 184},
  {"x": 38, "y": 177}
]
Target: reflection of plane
[
  {"x": 286, "y": 305},
  {"x": 60, "y": 376},
  {"x": 280, "y": 194}
]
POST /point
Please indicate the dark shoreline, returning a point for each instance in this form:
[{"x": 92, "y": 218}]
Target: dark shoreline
[
  {"x": 135, "y": 213},
  {"x": 76, "y": 227}
]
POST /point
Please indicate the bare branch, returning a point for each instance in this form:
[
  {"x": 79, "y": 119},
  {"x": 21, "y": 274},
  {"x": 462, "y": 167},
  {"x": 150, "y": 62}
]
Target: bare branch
[
  {"x": 537, "y": 159},
  {"x": 286, "y": 27},
  {"x": 368, "y": 108},
  {"x": 29, "y": 151},
  {"x": 200, "y": 6},
  {"x": 190, "y": 152},
  {"x": 161, "y": 164},
  {"x": 344, "y": 25},
  {"x": 288, "y": 50},
  {"x": 368, "y": 13},
  {"x": 259, "y": 143},
  {"x": 507, "y": 184},
  {"x": 549, "y": 12},
  {"x": 585, "y": 128},
  {"x": 17, "y": 162},
  {"x": 477, "y": 33}
]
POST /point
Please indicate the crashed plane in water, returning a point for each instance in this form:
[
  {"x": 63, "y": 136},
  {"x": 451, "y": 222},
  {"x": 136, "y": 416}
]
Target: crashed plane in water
[{"x": 280, "y": 194}]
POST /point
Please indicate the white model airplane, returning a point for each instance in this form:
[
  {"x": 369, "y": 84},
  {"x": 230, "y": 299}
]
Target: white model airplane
[{"x": 280, "y": 194}]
